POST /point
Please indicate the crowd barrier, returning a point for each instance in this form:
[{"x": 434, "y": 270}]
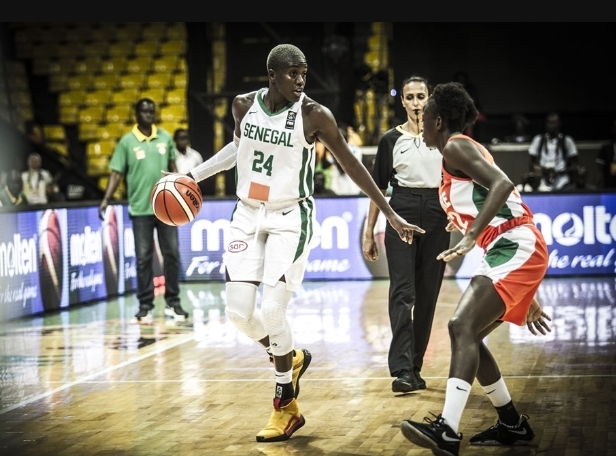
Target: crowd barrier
[{"x": 52, "y": 258}]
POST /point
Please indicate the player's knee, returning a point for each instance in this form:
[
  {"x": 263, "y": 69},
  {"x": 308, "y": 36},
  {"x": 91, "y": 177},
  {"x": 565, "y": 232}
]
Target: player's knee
[{"x": 241, "y": 300}]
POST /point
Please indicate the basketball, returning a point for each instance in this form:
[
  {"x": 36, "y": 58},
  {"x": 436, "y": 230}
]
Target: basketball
[{"x": 176, "y": 199}]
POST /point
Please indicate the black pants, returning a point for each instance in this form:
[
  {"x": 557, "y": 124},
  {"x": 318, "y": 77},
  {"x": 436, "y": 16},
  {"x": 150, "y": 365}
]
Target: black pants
[
  {"x": 415, "y": 276},
  {"x": 143, "y": 230}
]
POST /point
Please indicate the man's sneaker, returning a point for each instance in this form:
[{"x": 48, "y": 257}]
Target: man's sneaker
[
  {"x": 176, "y": 312},
  {"x": 436, "y": 435},
  {"x": 301, "y": 361},
  {"x": 283, "y": 422},
  {"x": 503, "y": 434},
  {"x": 144, "y": 315}
]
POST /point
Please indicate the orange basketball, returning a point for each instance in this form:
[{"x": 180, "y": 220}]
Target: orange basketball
[{"x": 176, "y": 199}]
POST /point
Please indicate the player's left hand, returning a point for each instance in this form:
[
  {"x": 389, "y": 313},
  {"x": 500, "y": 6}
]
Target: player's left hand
[
  {"x": 462, "y": 248},
  {"x": 536, "y": 319}
]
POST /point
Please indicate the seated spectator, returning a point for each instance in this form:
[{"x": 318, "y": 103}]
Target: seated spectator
[
  {"x": 553, "y": 159},
  {"x": 36, "y": 180},
  {"x": 606, "y": 162},
  {"x": 319, "y": 185},
  {"x": 12, "y": 193}
]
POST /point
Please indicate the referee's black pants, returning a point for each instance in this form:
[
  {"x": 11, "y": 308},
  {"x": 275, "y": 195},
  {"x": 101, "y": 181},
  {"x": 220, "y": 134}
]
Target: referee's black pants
[{"x": 415, "y": 275}]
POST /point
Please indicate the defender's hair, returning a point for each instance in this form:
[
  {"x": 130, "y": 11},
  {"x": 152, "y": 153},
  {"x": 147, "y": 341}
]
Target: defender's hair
[{"x": 454, "y": 105}]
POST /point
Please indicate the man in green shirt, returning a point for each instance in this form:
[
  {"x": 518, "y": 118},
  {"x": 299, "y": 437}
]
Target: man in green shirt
[{"x": 140, "y": 157}]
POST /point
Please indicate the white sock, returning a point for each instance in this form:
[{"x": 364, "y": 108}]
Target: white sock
[
  {"x": 284, "y": 377},
  {"x": 456, "y": 395},
  {"x": 498, "y": 393}
]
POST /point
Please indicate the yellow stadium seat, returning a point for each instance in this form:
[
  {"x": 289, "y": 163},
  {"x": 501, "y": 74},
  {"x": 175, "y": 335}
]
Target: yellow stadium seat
[
  {"x": 112, "y": 131},
  {"x": 157, "y": 94},
  {"x": 128, "y": 31},
  {"x": 106, "y": 81},
  {"x": 120, "y": 113},
  {"x": 179, "y": 80},
  {"x": 154, "y": 31},
  {"x": 102, "y": 148},
  {"x": 127, "y": 96},
  {"x": 96, "y": 48},
  {"x": 132, "y": 81},
  {"x": 91, "y": 114},
  {"x": 69, "y": 114},
  {"x": 165, "y": 63},
  {"x": 156, "y": 80},
  {"x": 148, "y": 48},
  {"x": 173, "y": 113},
  {"x": 86, "y": 65},
  {"x": 121, "y": 48},
  {"x": 58, "y": 82},
  {"x": 173, "y": 47},
  {"x": 79, "y": 81},
  {"x": 87, "y": 131},
  {"x": 176, "y": 96},
  {"x": 21, "y": 98},
  {"x": 176, "y": 31},
  {"x": 98, "y": 97},
  {"x": 61, "y": 66},
  {"x": 115, "y": 65},
  {"x": 71, "y": 98},
  {"x": 59, "y": 146},
  {"x": 140, "y": 64},
  {"x": 54, "y": 132},
  {"x": 71, "y": 49}
]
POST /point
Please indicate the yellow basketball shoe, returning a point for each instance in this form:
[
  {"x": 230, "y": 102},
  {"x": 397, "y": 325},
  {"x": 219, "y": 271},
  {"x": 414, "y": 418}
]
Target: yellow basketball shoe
[
  {"x": 283, "y": 422},
  {"x": 301, "y": 361}
]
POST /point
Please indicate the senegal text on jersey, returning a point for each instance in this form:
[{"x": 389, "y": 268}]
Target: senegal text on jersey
[{"x": 267, "y": 135}]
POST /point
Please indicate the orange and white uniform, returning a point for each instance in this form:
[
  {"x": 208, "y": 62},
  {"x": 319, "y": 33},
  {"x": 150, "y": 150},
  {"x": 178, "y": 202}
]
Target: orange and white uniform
[{"x": 515, "y": 253}]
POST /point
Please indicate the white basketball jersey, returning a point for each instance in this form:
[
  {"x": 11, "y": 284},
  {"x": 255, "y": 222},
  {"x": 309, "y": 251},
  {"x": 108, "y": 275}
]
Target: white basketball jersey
[{"x": 275, "y": 163}]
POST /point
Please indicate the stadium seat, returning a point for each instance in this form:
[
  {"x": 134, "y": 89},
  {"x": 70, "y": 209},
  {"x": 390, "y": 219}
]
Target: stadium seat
[
  {"x": 128, "y": 31},
  {"x": 88, "y": 131},
  {"x": 121, "y": 48},
  {"x": 54, "y": 132},
  {"x": 176, "y": 31},
  {"x": 179, "y": 80},
  {"x": 96, "y": 48},
  {"x": 156, "y": 80},
  {"x": 154, "y": 31},
  {"x": 69, "y": 114},
  {"x": 165, "y": 63},
  {"x": 140, "y": 64},
  {"x": 157, "y": 94},
  {"x": 91, "y": 114},
  {"x": 86, "y": 65},
  {"x": 116, "y": 65},
  {"x": 126, "y": 96},
  {"x": 98, "y": 97},
  {"x": 112, "y": 131},
  {"x": 71, "y": 49},
  {"x": 173, "y": 113},
  {"x": 106, "y": 81},
  {"x": 120, "y": 113},
  {"x": 147, "y": 48},
  {"x": 79, "y": 81},
  {"x": 132, "y": 81},
  {"x": 71, "y": 98},
  {"x": 173, "y": 47},
  {"x": 176, "y": 96}
]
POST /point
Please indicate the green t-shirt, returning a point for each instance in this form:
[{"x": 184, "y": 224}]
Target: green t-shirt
[{"x": 141, "y": 159}]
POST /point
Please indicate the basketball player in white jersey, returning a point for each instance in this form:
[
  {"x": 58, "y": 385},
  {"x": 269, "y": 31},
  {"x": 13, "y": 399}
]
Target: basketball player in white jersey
[{"x": 272, "y": 223}]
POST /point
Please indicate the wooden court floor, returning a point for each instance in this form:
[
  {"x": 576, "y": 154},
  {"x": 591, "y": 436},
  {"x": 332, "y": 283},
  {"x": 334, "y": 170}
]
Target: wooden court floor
[{"x": 89, "y": 381}]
